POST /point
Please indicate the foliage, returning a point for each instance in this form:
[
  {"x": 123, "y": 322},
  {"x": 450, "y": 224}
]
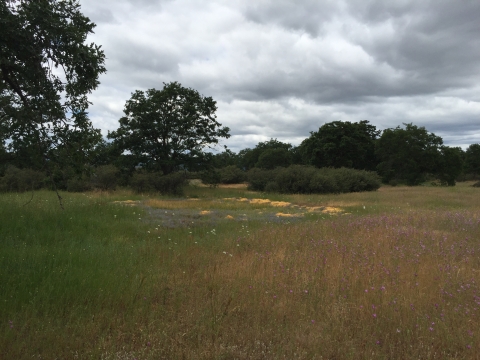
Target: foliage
[
  {"x": 224, "y": 159},
  {"x": 408, "y": 154},
  {"x": 171, "y": 184},
  {"x": 168, "y": 128},
  {"x": 295, "y": 179},
  {"x": 105, "y": 177},
  {"x": 21, "y": 180},
  {"x": 5, "y": 159},
  {"x": 341, "y": 144},
  {"x": 450, "y": 165},
  {"x": 472, "y": 160},
  {"x": 106, "y": 153},
  {"x": 300, "y": 179},
  {"x": 323, "y": 183},
  {"x": 248, "y": 158},
  {"x": 349, "y": 180},
  {"x": 142, "y": 182},
  {"x": 228, "y": 175},
  {"x": 232, "y": 175},
  {"x": 272, "y": 158},
  {"x": 78, "y": 184},
  {"x": 47, "y": 71},
  {"x": 210, "y": 177},
  {"x": 259, "y": 178}
]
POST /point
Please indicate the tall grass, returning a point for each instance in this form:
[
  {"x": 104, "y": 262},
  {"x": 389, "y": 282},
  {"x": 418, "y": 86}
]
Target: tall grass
[{"x": 395, "y": 279}]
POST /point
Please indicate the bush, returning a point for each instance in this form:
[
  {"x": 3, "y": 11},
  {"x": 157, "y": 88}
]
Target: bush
[
  {"x": 105, "y": 177},
  {"x": 272, "y": 187},
  {"x": 192, "y": 175},
  {"x": 210, "y": 177},
  {"x": 141, "y": 182},
  {"x": 232, "y": 175},
  {"x": 350, "y": 180},
  {"x": 322, "y": 183},
  {"x": 295, "y": 179},
  {"x": 78, "y": 185},
  {"x": 166, "y": 184},
  {"x": 259, "y": 178},
  {"x": 21, "y": 180},
  {"x": 273, "y": 158},
  {"x": 169, "y": 184},
  {"x": 298, "y": 179}
]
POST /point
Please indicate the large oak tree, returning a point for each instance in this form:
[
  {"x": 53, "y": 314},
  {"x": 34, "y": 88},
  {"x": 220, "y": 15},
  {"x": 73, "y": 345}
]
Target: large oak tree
[
  {"x": 46, "y": 72},
  {"x": 166, "y": 128}
]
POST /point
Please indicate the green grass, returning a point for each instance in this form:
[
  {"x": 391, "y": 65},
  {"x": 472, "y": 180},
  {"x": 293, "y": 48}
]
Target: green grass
[{"x": 396, "y": 278}]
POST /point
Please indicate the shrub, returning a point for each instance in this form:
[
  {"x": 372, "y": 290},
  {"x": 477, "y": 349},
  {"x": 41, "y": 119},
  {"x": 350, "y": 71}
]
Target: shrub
[
  {"x": 105, "y": 177},
  {"x": 165, "y": 184},
  {"x": 78, "y": 185},
  {"x": 192, "y": 175},
  {"x": 322, "y": 183},
  {"x": 232, "y": 175},
  {"x": 272, "y": 187},
  {"x": 295, "y": 179},
  {"x": 169, "y": 184},
  {"x": 259, "y": 178},
  {"x": 141, "y": 182},
  {"x": 21, "y": 180},
  {"x": 210, "y": 177},
  {"x": 299, "y": 179},
  {"x": 272, "y": 158},
  {"x": 351, "y": 180}
]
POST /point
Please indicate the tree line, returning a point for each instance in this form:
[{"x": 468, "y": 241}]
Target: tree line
[
  {"x": 407, "y": 154},
  {"x": 46, "y": 138}
]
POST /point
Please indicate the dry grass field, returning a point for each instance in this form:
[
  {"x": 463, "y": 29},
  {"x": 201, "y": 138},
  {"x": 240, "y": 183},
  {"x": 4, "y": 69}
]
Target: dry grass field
[{"x": 231, "y": 274}]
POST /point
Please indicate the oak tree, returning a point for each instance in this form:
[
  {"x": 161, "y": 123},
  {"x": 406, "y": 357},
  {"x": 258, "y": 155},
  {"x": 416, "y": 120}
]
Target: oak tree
[
  {"x": 168, "y": 128},
  {"x": 46, "y": 72}
]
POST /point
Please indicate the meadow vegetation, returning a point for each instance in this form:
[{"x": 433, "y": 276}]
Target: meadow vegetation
[{"x": 228, "y": 273}]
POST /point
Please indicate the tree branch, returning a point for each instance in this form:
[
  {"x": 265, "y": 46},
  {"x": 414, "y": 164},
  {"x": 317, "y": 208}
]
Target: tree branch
[{"x": 14, "y": 86}]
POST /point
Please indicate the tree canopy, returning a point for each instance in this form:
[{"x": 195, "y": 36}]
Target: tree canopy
[
  {"x": 46, "y": 73},
  {"x": 272, "y": 158},
  {"x": 407, "y": 154},
  {"x": 248, "y": 158},
  {"x": 167, "y": 128},
  {"x": 450, "y": 164},
  {"x": 472, "y": 160},
  {"x": 341, "y": 144}
]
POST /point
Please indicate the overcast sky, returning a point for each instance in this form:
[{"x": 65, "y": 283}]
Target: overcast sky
[{"x": 282, "y": 68}]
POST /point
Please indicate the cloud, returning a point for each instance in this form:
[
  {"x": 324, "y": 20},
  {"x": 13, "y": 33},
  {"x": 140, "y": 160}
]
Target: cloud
[{"x": 280, "y": 69}]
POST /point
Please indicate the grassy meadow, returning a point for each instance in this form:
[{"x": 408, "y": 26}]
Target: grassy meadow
[{"x": 227, "y": 273}]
